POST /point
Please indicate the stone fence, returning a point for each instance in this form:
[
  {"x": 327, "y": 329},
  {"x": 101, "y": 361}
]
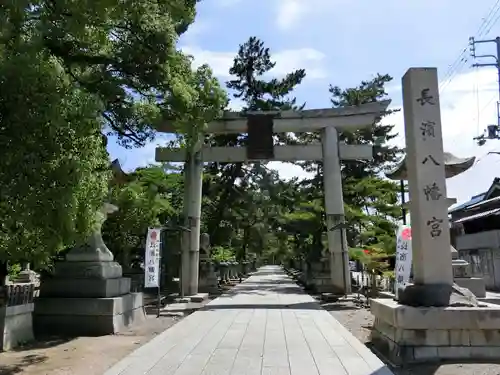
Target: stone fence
[
  {"x": 16, "y": 308},
  {"x": 17, "y": 294}
]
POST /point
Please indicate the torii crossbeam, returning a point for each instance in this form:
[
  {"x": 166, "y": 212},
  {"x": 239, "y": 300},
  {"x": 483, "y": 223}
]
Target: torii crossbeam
[{"x": 260, "y": 126}]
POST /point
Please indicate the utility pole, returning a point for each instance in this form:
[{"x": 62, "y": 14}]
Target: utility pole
[{"x": 492, "y": 131}]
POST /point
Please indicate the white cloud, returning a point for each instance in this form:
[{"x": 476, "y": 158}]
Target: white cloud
[
  {"x": 226, "y": 3},
  {"x": 465, "y": 112},
  {"x": 287, "y": 171},
  {"x": 460, "y": 120},
  {"x": 468, "y": 105},
  {"x": 195, "y": 30},
  {"x": 236, "y": 105},
  {"x": 289, "y": 12},
  {"x": 309, "y": 59},
  {"x": 293, "y": 13}
]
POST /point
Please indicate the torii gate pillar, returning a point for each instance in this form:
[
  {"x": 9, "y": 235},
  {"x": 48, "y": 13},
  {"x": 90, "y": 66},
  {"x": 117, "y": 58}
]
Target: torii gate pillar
[
  {"x": 193, "y": 179},
  {"x": 334, "y": 210},
  {"x": 327, "y": 121}
]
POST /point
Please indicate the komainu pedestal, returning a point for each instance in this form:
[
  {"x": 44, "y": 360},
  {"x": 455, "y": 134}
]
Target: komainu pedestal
[
  {"x": 207, "y": 282},
  {"x": 462, "y": 277},
  {"x": 87, "y": 295},
  {"x": 319, "y": 277}
]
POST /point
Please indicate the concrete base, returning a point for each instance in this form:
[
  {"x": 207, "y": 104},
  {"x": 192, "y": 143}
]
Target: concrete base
[
  {"x": 336, "y": 297},
  {"x": 181, "y": 309},
  {"x": 208, "y": 287},
  {"x": 196, "y": 298},
  {"x": 475, "y": 284},
  {"x": 320, "y": 279},
  {"x": 423, "y": 334},
  {"x": 87, "y": 316},
  {"x": 16, "y": 326}
]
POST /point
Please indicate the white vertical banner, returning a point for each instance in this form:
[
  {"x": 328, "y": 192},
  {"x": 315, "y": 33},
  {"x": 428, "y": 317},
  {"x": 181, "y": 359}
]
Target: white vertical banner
[
  {"x": 152, "y": 259},
  {"x": 403, "y": 256}
]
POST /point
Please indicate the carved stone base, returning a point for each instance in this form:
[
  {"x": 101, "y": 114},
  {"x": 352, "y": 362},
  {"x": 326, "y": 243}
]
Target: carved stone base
[
  {"x": 408, "y": 334},
  {"x": 87, "y": 316},
  {"x": 84, "y": 270},
  {"x": 439, "y": 295},
  {"x": 88, "y": 298},
  {"x": 85, "y": 288}
]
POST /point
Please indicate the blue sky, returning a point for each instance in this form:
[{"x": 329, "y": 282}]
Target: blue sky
[{"x": 342, "y": 42}]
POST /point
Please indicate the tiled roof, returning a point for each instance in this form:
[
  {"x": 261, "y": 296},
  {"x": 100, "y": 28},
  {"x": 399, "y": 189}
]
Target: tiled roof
[{"x": 475, "y": 199}]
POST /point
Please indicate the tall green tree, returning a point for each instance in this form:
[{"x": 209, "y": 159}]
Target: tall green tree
[
  {"x": 151, "y": 198},
  {"x": 55, "y": 168},
  {"x": 371, "y": 199},
  {"x": 240, "y": 196},
  {"x": 70, "y": 70},
  {"x": 250, "y": 66},
  {"x": 123, "y": 53},
  {"x": 371, "y": 202}
]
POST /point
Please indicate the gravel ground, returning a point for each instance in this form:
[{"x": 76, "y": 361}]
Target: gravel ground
[
  {"x": 82, "y": 355},
  {"x": 359, "y": 322}
]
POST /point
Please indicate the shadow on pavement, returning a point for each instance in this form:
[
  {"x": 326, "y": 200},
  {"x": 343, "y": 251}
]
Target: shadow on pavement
[{"x": 293, "y": 306}]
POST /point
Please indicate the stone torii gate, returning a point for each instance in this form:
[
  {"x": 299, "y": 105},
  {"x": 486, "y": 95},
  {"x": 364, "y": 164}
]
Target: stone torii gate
[{"x": 260, "y": 127}]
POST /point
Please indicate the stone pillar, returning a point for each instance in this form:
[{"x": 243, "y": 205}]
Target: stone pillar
[
  {"x": 334, "y": 209},
  {"x": 434, "y": 319},
  {"x": 432, "y": 271},
  {"x": 194, "y": 218},
  {"x": 186, "y": 235}
]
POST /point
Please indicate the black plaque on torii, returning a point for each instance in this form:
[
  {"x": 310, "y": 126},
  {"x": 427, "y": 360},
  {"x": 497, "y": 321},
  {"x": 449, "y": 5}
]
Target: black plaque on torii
[{"x": 260, "y": 136}]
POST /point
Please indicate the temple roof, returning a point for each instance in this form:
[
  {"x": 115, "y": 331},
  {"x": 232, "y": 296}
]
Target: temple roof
[
  {"x": 492, "y": 194},
  {"x": 453, "y": 166}
]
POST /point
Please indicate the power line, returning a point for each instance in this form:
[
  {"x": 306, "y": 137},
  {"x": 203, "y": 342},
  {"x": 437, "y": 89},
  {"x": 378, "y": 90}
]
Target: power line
[
  {"x": 456, "y": 67},
  {"x": 493, "y": 131}
]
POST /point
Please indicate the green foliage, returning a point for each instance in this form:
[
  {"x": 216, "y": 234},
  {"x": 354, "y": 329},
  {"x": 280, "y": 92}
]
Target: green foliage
[
  {"x": 14, "y": 270},
  {"x": 124, "y": 54},
  {"x": 70, "y": 70},
  {"x": 146, "y": 201},
  {"x": 54, "y": 171},
  {"x": 250, "y": 223},
  {"x": 371, "y": 200},
  {"x": 222, "y": 254},
  {"x": 249, "y": 66}
]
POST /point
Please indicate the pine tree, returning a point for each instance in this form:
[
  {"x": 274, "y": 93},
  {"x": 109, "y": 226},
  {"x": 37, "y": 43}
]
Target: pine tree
[
  {"x": 251, "y": 66},
  {"x": 252, "y": 62},
  {"x": 370, "y": 201}
]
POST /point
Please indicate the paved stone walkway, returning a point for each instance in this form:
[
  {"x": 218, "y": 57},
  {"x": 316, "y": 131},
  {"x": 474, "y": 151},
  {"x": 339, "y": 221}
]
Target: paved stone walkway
[{"x": 264, "y": 326}]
